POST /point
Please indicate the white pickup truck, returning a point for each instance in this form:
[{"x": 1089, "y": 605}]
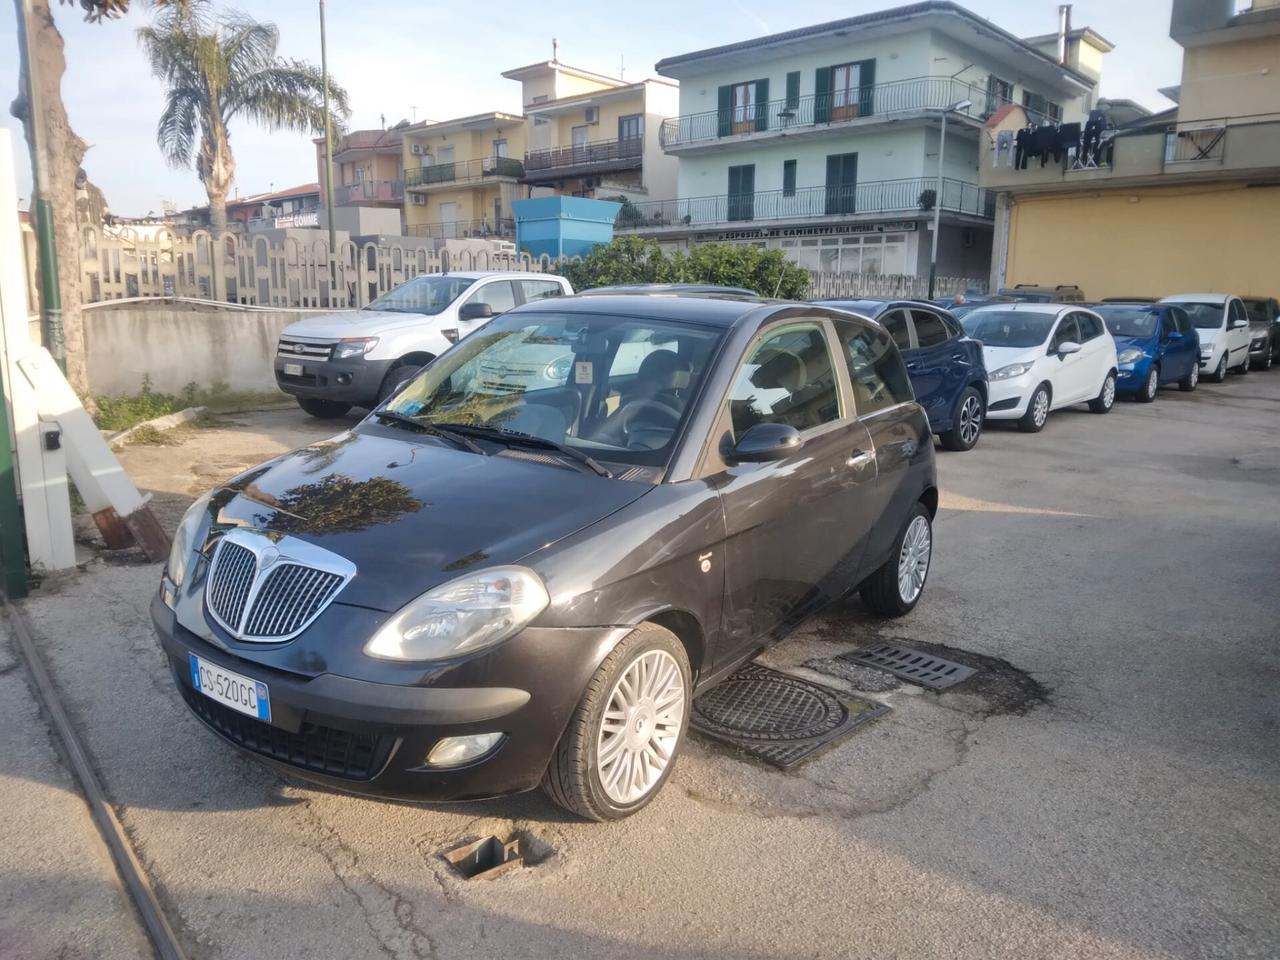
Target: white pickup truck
[{"x": 357, "y": 358}]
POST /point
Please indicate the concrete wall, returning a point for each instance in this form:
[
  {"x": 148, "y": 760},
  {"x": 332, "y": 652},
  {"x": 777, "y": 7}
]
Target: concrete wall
[
  {"x": 1238, "y": 79},
  {"x": 177, "y": 343},
  {"x": 1217, "y": 238}
]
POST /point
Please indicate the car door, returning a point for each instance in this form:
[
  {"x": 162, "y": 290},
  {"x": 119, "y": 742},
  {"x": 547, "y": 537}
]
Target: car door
[
  {"x": 498, "y": 295},
  {"x": 1097, "y": 353},
  {"x": 1237, "y": 332},
  {"x": 931, "y": 367},
  {"x": 897, "y": 426},
  {"x": 1063, "y": 370},
  {"x": 796, "y": 528},
  {"x": 1180, "y": 353}
]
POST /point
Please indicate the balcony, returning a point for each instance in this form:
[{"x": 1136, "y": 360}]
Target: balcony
[
  {"x": 369, "y": 191},
  {"x": 815, "y": 114},
  {"x": 1223, "y": 149},
  {"x": 462, "y": 172},
  {"x": 598, "y": 156},
  {"x": 504, "y": 229},
  {"x": 912, "y": 196}
]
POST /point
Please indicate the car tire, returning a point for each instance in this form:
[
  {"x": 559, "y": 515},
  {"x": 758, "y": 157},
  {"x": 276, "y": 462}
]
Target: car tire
[
  {"x": 397, "y": 376},
  {"x": 1266, "y": 360},
  {"x": 323, "y": 409},
  {"x": 573, "y": 779},
  {"x": 1219, "y": 374},
  {"x": 1037, "y": 414},
  {"x": 1191, "y": 380},
  {"x": 1106, "y": 398},
  {"x": 1244, "y": 367},
  {"x": 1151, "y": 387},
  {"x": 896, "y": 588},
  {"x": 968, "y": 422}
]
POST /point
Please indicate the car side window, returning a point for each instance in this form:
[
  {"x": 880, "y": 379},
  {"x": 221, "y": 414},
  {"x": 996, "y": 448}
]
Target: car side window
[
  {"x": 540, "y": 289},
  {"x": 879, "y": 378},
  {"x": 1089, "y": 326},
  {"x": 498, "y": 294},
  {"x": 1237, "y": 312},
  {"x": 786, "y": 378},
  {"x": 930, "y": 330},
  {"x": 1065, "y": 333},
  {"x": 895, "y": 321}
]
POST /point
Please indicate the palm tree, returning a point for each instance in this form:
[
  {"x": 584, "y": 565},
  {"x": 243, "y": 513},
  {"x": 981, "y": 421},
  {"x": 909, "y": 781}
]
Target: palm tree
[{"x": 220, "y": 69}]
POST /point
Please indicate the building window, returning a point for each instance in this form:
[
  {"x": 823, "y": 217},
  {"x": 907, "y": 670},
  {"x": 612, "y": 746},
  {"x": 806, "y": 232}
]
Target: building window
[
  {"x": 999, "y": 92},
  {"x": 852, "y": 89},
  {"x": 631, "y": 127},
  {"x": 793, "y": 90},
  {"x": 742, "y": 192},
  {"x": 1041, "y": 108},
  {"x": 788, "y": 178},
  {"x": 500, "y": 148},
  {"x": 743, "y": 107}
]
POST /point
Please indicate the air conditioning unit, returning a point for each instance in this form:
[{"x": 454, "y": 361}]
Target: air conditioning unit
[
  {"x": 593, "y": 114},
  {"x": 415, "y": 149},
  {"x": 419, "y": 200}
]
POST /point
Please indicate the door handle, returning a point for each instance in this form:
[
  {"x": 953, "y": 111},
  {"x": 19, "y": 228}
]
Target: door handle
[{"x": 859, "y": 459}]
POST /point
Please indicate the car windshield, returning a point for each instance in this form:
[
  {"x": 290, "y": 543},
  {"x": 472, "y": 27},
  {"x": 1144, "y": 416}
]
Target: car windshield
[
  {"x": 1129, "y": 321},
  {"x": 1009, "y": 328},
  {"x": 1259, "y": 310},
  {"x": 614, "y": 388},
  {"x": 425, "y": 294},
  {"x": 1205, "y": 316}
]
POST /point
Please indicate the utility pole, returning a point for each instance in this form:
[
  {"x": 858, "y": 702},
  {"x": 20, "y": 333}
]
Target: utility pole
[
  {"x": 46, "y": 246},
  {"x": 937, "y": 198},
  {"x": 328, "y": 152}
]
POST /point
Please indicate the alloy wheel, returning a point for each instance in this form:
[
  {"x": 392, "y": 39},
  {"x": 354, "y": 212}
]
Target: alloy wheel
[
  {"x": 970, "y": 420},
  {"x": 1195, "y": 374},
  {"x": 1153, "y": 384},
  {"x": 1108, "y": 392},
  {"x": 913, "y": 559},
  {"x": 640, "y": 727},
  {"x": 1040, "y": 407}
]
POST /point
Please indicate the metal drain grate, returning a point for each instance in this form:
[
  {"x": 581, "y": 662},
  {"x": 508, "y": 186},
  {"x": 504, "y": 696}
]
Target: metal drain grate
[
  {"x": 913, "y": 665},
  {"x": 778, "y": 718}
]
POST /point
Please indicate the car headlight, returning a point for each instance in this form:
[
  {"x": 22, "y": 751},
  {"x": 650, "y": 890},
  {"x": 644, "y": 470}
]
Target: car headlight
[
  {"x": 462, "y": 616},
  {"x": 179, "y": 562},
  {"x": 1129, "y": 355},
  {"x": 1010, "y": 371},
  {"x": 1206, "y": 349},
  {"x": 349, "y": 347}
]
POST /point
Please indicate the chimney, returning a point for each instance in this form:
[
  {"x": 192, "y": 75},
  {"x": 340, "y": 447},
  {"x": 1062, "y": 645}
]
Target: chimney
[{"x": 1064, "y": 28}]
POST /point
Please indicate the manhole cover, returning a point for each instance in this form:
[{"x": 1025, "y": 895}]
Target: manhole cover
[
  {"x": 778, "y": 718},
  {"x": 916, "y": 666}
]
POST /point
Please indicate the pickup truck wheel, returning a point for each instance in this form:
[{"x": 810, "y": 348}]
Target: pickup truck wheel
[
  {"x": 968, "y": 424},
  {"x": 396, "y": 377},
  {"x": 896, "y": 588},
  {"x": 622, "y": 740},
  {"x": 323, "y": 409}
]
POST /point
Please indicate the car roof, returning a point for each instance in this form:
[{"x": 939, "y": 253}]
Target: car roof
[
  {"x": 487, "y": 274},
  {"x": 670, "y": 289},
  {"x": 1218, "y": 298},
  {"x": 707, "y": 309},
  {"x": 874, "y": 306},
  {"x": 1026, "y": 306}
]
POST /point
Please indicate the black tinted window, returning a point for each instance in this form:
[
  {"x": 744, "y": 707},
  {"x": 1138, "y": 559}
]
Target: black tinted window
[
  {"x": 1065, "y": 333},
  {"x": 1090, "y": 326},
  {"x": 1182, "y": 323},
  {"x": 786, "y": 378},
  {"x": 895, "y": 321},
  {"x": 930, "y": 330},
  {"x": 875, "y": 368}
]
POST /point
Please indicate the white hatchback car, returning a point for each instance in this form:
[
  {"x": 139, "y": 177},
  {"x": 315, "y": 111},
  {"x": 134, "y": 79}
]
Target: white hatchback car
[
  {"x": 1223, "y": 325},
  {"x": 357, "y": 358},
  {"x": 1042, "y": 357}
]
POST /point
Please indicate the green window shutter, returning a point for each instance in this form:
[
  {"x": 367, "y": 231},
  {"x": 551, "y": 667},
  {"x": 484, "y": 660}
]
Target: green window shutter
[
  {"x": 793, "y": 89},
  {"x": 866, "y": 88},
  {"x": 762, "y": 104},
  {"x": 788, "y": 178},
  {"x": 834, "y": 168},
  {"x": 725, "y": 116},
  {"x": 822, "y": 95}
]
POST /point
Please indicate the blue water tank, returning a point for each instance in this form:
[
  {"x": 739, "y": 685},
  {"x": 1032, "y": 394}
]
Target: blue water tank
[{"x": 563, "y": 226}]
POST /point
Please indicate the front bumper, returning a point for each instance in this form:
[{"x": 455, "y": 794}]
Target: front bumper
[
  {"x": 1259, "y": 348},
  {"x": 1008, "y": 399},
  {"x": 373, "y": 738},
  {"x": 1132, "y": 377},
  {"x": 354, "y": 381}
]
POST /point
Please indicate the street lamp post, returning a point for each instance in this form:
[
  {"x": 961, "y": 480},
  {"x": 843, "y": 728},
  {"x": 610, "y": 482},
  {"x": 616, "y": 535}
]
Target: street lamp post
[{"x": 937, "y": 193}]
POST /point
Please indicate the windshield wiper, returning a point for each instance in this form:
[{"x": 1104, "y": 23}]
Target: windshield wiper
[
  {"x": 515, "y": 438},
  {"x": 457, "y": 439}
]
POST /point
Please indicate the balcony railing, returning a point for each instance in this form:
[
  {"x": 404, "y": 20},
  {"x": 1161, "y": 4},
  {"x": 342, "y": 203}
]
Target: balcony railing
[
  {"x": 913, "y": 195},
  {"x": 1198, "y": 144},
  {"x": 369, "y": 191},
  {"x": 463, "y": 171},
  {"x": 881, "y": 99},
  {"x": 597, "y": 153},
  {"x": 502, "y": 229}
]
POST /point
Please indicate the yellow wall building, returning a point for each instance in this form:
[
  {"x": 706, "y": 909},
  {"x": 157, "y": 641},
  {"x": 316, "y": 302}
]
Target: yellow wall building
[{"x": 1181, "y": 201}]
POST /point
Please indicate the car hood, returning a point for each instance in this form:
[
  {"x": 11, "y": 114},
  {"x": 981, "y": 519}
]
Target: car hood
[
  {"x": 1208, "y": 336},
  {"x": 997, "y": 357},
  {"x": 1142, "y": 343},
  {"x": 411, "y": 514},
  {"x": 352, "y": 323}
]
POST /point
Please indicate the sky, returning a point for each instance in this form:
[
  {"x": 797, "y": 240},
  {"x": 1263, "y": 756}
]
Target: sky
[{"x": 418, "y": 59}]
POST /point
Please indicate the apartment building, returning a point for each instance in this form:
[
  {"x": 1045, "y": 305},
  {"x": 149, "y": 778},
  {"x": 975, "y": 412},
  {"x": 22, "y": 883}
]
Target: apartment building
[
  {"x": 589, "y": 135},
  {"x": 1186, "y": 200},
  {"x": 825, "y": 141},
  {"x": 368, "y": 168}
]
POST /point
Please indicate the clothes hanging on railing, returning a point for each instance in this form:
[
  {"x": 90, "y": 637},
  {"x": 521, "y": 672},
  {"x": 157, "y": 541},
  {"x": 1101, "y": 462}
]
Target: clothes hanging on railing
[
  {"x": 1077, "y": 146},
  {"x": 1003, "y": 148}
]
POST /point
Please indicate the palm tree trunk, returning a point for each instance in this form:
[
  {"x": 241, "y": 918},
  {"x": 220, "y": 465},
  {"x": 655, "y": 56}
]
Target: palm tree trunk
[
  {"x": 64, "y": 150},
  {"x": 217, "y": 211}
]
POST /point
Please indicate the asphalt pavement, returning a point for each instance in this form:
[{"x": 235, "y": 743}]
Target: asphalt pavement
[{"x": 1126, "y": 563}]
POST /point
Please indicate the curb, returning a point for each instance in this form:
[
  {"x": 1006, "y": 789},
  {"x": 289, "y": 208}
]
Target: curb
[{"x": 167, "y": 422}]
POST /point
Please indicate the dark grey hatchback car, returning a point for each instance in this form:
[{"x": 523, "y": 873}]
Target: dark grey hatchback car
[{"x": 524, "y": 566}]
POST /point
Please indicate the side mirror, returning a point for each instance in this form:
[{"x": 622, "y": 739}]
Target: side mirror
[
  {"x": 1068, "y": 346},
  {"x": 1237, "y": 324},
  {"x": 764, "y": 442},
  {"x": 1173, "y": 335},
  {"x": 475, "y": 311}
]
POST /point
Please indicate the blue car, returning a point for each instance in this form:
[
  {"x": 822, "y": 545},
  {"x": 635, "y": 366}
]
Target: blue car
[
  {"x": 946, "y": 366},
  {"x": 1156, "y": 344}
]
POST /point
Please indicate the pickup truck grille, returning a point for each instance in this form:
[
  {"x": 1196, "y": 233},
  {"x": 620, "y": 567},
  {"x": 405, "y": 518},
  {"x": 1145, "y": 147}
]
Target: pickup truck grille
[{"x": 296, "y": 349}]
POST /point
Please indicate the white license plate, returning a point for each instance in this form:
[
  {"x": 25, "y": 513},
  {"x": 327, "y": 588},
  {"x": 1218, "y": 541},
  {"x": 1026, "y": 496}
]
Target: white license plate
[
  {"x": 293, "y": 369},
  {"x": 238, "y": 692}
]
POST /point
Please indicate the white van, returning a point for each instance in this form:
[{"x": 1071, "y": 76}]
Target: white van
[{"x": 357, "y": 358}]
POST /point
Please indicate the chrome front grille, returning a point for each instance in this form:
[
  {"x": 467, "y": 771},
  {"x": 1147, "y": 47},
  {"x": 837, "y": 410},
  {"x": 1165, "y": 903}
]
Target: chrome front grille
[
  {"x": 269, "y": 589},
  {"x": 304, "y": 349}
]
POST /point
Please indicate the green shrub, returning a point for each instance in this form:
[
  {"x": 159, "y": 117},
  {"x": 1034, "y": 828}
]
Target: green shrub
[{"x": 120, "y": 411}]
